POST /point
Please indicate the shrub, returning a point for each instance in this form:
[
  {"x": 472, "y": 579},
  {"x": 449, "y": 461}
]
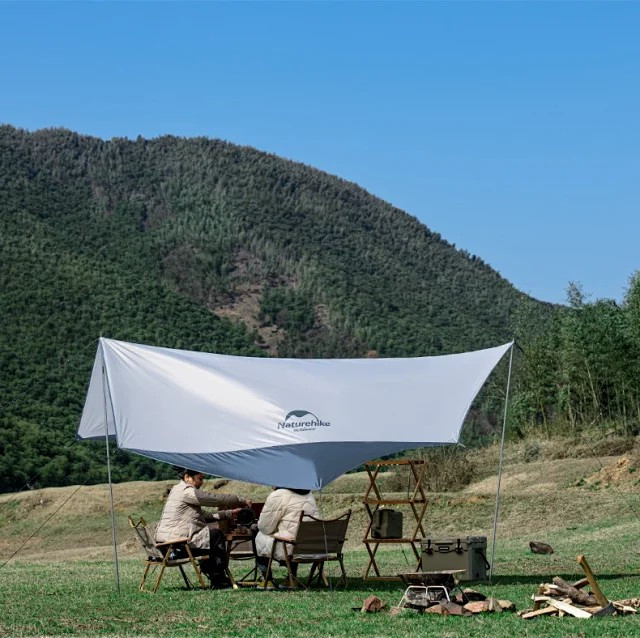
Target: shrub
[{"x": 531, "y": 451}]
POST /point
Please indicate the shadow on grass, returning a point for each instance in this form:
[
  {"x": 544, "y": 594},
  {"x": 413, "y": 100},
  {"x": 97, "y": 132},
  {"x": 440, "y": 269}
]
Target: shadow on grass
[
  {"x": 358, "y": 584},
  {"x": 386, "y": 588}
]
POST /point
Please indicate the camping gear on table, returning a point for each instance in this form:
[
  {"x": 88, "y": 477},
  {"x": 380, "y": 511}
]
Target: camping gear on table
[
  {"x": 245, "y": 517},
  {"x": 386, "y": 523},
  {"x": 466, "y": 552}
]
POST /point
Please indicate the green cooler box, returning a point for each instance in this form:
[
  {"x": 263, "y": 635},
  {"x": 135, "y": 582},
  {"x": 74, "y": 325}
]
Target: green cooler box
[{"x": 467, "y": 552}]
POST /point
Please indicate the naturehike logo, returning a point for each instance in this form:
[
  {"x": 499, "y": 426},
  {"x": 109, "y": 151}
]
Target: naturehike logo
[{"x": 302, "y": 421}]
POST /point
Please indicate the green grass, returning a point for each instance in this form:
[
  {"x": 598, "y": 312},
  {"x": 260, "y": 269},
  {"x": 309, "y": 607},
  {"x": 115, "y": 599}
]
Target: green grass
[
  {"x": 47, "y": 598},
  {"x": 62, "y": 581}
]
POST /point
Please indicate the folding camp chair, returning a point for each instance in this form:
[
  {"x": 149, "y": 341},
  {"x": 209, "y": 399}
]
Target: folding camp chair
[
  {"x": 317, "y": 541},
  {"x": 163, "y": 555}
]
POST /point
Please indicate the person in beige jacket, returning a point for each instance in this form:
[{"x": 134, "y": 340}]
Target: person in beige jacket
[
  {"x": 280, "y": 517},
  {"x": 183, "y": 517}
]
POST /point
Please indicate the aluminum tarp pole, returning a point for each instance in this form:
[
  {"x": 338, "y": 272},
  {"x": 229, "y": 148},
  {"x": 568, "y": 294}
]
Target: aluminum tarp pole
[
  {"x": 113, "y": 516},
  {"x": 504, "y": 428}
]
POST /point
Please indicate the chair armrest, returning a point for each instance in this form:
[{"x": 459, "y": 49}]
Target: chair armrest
[
  {"x": 176, "y": 541},
  {"x": 290, "y": 541}
]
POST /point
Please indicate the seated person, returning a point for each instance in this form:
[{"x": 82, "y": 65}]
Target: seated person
[
  {"x": 280, "y": 517},
  {"x": 183, "y": 517}
]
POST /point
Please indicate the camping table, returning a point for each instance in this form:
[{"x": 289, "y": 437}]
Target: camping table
[{"x": 241, "y": 545}]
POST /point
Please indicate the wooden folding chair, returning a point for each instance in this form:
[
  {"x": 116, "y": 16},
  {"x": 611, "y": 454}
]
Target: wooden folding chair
[
  {"x": 163, "y": 555},
  {"x": 317, "y": 541}
]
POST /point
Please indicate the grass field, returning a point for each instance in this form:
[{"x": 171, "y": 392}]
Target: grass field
[{"x": 62, "y": 581}]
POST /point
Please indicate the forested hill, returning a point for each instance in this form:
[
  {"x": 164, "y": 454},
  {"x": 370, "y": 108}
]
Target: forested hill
[{"x": 201, "y": 244}]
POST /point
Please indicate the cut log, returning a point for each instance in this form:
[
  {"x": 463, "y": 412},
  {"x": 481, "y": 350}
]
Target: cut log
[
  {"x": 627, "y": 609},
  {"x": 541, "y": 589},
  {"x": 547, "y": 611},
  {"x": 577, "y": 596},
  {"x": 548, "y": 599},
  {"x": 579, "y": 584},
  {"x": 572, "y": 610}
]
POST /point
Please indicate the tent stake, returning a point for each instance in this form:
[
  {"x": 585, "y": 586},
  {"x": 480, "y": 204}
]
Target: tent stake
[
  {"x": 504, "y": 427},
  {"x": 113, "y": 516}
]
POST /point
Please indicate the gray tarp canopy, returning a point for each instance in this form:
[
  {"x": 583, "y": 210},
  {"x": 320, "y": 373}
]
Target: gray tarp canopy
[{"x": 291, "y": 422}]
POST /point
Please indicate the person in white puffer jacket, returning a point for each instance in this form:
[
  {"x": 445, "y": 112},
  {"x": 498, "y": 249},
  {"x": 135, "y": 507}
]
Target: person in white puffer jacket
[{"x": 280, "y": 517}]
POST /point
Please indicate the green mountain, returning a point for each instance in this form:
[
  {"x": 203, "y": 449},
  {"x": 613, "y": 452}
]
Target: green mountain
[{"x": 201, "y": 244}]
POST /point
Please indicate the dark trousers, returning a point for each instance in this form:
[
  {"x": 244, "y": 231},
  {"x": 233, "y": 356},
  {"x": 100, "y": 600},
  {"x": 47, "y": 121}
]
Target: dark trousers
[{"x": 213, "y": 567}]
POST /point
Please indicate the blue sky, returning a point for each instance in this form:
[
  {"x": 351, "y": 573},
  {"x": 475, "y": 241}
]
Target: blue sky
[{"x": 513, "y": 129}]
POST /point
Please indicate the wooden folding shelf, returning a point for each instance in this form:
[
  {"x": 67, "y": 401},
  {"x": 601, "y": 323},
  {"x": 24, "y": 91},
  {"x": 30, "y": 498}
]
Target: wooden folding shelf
[{"x": 373, "y": 500}]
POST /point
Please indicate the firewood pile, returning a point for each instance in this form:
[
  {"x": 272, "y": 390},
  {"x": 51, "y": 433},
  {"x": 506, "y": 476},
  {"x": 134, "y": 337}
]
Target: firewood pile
[{"x": 561, "y": 598}]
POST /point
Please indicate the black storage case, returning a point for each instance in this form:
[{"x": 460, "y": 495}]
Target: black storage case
[{"x": 386, "y": 523}]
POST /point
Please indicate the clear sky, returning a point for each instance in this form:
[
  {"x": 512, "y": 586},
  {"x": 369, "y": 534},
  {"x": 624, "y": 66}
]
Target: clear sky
[{"x": 513, "y": 129}]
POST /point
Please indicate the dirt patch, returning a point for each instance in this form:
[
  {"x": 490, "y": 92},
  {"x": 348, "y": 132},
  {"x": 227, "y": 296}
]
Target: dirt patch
[
  {"x": 248, "y": 279},
  {"x": 622, "y": 471},
  {"x": 244, "y": 306},
  {"x": 537, "y": 476}
]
